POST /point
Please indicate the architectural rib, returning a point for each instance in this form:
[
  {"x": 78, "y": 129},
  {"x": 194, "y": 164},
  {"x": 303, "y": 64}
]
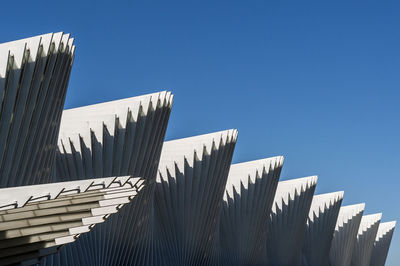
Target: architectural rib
[
  {"x": 190, "y": 185},
  {"x": 122, "y": 137},
  {"x": 250, "y": 191},
  {"x": 34, "y": 75},
  {"x": 287, "y": 222},
  {"x": 36, "y": 220},
  {"x": 345, "y": 234},
  {"x": 365, "y": 239},
  {"x": 321, "y": 223},
  {"x": 382, "y": 243},
  {"x": 194, "y": 208}
]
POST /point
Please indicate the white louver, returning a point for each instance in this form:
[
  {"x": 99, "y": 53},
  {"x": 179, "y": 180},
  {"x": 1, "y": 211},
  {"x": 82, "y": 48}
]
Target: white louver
[{"x": 35, "y": 220}]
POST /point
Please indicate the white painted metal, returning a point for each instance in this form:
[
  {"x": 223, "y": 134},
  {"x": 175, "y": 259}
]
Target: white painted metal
[
  {"x": 38, "y": 217},
  {"x": 250, "y": 191},
  {"x": 345, "y": 234},
  {"x": 256, "y": 221},
  {"x": 190, "y": 185},
  {"x": 382, "y": 243},
  {"x": 287, "y": 222},
  {"x": 365, "y": 239},
  {"x": 321, "y": 223},
  {"x": 34, "y": 76},
  {"x": 122, "y": 137}
]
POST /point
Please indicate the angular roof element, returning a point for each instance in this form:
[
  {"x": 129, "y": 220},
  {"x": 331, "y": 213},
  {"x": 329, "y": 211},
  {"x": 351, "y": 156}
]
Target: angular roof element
[
  {"x": 320, "y": 227},
  {"x": 248, "y": 199},
  {"x": 287, "y": 222},
  {"x": 365, "y": 239},
  {"x": 36, "y": 220},
  {"x": 382, "y": 243},
  {"x": 122, "y": 137},
  {"x": 190, "y": 185},
  {"x": 345, "y": 235},
  {"x": 116, "y": 137},
  {"x": 34, "y": 74}
]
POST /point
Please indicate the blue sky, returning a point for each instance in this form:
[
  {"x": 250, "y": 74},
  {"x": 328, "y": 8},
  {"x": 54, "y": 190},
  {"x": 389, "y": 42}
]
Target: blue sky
[{"x": 314, "y": 81}]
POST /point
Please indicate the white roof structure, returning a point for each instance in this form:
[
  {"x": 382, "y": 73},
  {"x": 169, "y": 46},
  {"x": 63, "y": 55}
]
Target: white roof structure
[
  {"x": 122, "y": 137},
  {"x": 34, "y": 74},
  {"x": 365, "y": 239},
  {"x": 321, "y": 223},
  {"x": 248, "y": 198},
  {"x": 36, "y": 220},
  {"x": 113, "y": 138},
  {"x": 345, "y": 234},
  {"x": 382, "y": 243},
  {"x": 190, "y": 185},
  {"x": 287, "y": 222},
  {"x": 194, "y": 207}
]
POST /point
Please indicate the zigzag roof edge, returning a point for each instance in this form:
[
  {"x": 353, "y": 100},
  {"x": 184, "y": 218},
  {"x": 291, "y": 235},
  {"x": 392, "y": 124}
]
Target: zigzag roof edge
[
  {"x": 240, "y": 172},
  {"x": 74, "y": 119},
  {"x": 125, "y": 102},
  {"x": 349, "y": 211},
  {"x": 385, "y": 228},
  {"x": 289, "y": 186},
  {"x": 186, "y": 146},
  {"x": 24, "y": 40},
  {"x": 17, "y": 48},
  {"x": 321, "y": 201},
  {"x": 251, "y": 164},
  {"x": 368, "y": 220},
  {"x": 288, "y": 189}
]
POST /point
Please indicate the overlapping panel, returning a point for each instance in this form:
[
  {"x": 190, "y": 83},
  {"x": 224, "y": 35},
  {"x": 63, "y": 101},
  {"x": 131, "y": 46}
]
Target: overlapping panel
[
  {"x": 189, "y": 192},
  {"x": 382, "y": 243},
  {"x": 36, "y": 220},
  {"x": 365, "y": 239},
  {"x": 34, "y": 76},
  {"x": 117, "y": 137},
  {"x": 287, "y": 222},
  {"x": 248, "y": 198},
  {"x": 345, "y": 235},
  {"x": 320, "y": 227},
  {"x": 114, "y": 138}
]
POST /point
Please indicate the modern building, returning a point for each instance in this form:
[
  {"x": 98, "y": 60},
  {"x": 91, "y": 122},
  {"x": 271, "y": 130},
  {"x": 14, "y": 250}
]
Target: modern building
[{"x": 98, "y": 185}]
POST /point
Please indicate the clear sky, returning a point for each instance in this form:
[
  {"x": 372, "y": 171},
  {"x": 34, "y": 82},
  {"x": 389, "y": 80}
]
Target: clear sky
[{"x": 314, "y": 81}]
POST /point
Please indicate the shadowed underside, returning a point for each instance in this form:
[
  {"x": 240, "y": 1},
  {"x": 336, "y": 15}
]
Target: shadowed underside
[
  {"x": 320, "y": 227},
  {"x": 190, "y": 184},
  {"x": 248, "y": 198},
  {"x": 34, "y": 75},
  {"x": 114, "y": 138},
  {"x": 287, "y": 222}
]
